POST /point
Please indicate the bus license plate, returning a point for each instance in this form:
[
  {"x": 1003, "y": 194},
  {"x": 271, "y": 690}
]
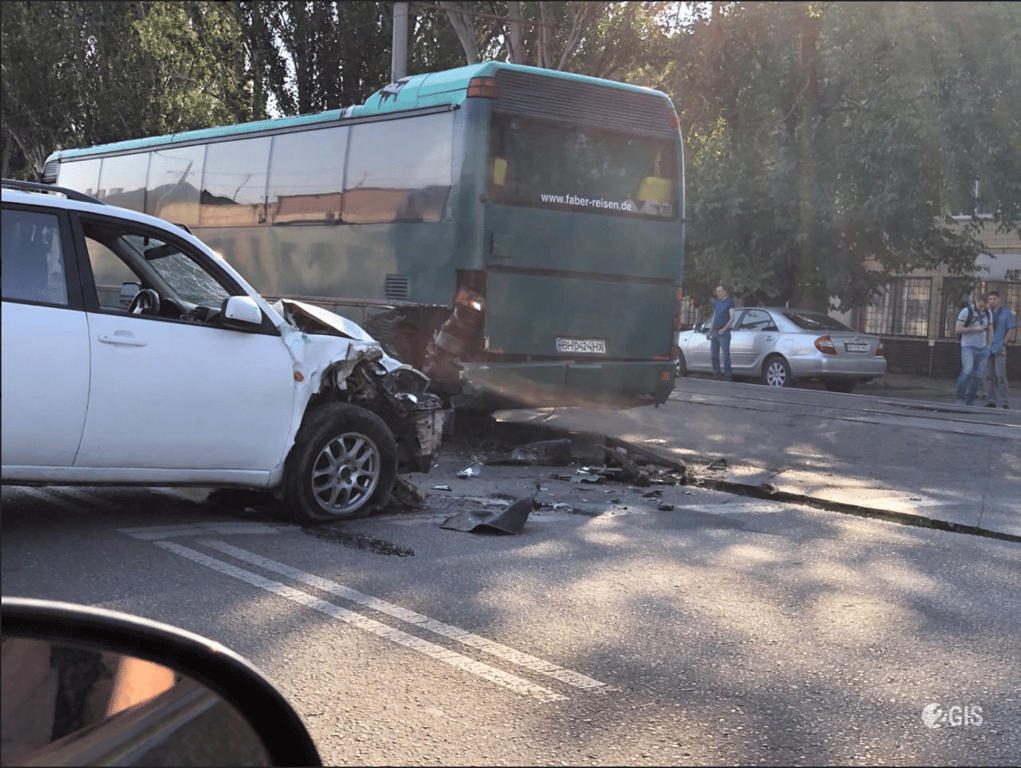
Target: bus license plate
[
  {"x": 581, "y": 346},
  {"x": 856, "y": 347}
]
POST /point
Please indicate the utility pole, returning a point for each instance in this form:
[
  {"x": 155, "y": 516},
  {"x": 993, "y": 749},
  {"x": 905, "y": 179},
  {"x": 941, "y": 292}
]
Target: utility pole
[{"x": 399, "y": 48}]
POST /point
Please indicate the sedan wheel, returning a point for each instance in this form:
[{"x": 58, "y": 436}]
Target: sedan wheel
[
  {"x": 682, "y": 367},
  {"x": 777, "y": 373}
]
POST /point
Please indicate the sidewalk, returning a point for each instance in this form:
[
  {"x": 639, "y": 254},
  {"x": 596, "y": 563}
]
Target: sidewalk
[{"x": 907, "y": 386}]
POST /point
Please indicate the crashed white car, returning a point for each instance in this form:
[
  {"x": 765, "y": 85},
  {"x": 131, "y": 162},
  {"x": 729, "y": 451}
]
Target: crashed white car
[{"x": 132, "y": 354}]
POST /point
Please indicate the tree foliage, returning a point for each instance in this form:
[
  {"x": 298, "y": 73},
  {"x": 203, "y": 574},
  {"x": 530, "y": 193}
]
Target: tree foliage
[
  {"x": 826, "y": 143},
  {"x": 89, "y": 72},
  {"x": 827, "y": 138}
]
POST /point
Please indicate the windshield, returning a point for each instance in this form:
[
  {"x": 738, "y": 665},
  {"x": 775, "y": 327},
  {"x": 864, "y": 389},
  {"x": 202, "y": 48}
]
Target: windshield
[{"x": 543, "y": 164}]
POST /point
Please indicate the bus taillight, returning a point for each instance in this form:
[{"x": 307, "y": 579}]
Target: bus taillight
[
  {"x": 482, "y": 87},
  {"x": 678, "y": 300}
]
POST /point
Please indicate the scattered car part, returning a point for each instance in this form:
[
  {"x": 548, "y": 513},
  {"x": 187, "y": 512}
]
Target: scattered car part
[{"x": 509, "y": 520}]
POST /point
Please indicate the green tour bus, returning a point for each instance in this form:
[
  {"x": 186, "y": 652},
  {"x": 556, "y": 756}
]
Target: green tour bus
[{"x": 517, "y": 233}]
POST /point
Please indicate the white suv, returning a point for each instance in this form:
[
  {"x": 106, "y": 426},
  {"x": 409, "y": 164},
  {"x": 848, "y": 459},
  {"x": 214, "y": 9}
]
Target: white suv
[{"x": 132, "y": 354}]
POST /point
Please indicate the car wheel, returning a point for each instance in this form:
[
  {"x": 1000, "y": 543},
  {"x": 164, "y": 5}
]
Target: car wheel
[
  {"x": 682, "y": 367},
  {"x": 840, "y": 385},
  {"x": 343, "y": 465},
  {"x": 776, "y": 372}
]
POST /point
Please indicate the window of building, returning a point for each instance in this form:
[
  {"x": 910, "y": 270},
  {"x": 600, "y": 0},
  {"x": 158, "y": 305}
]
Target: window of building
[
  {"x": 900, "y": 309},
  {"x": 972, "y": 201}
]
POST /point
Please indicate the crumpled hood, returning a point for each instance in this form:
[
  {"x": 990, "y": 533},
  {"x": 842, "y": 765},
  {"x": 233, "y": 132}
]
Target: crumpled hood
[{"x": 333, "y": 322}]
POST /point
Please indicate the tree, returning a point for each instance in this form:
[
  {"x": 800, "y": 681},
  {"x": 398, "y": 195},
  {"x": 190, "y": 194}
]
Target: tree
[
  {"x": 594, "y": 38},
  {"x": 81, "y": 73},
  {"x": 827, "y": 135}
]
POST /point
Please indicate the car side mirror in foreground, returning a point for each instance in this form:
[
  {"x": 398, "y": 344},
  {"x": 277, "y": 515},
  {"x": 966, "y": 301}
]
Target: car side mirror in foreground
[
  {"x": 241, "y": 312},
  {"x": 87, "y": 686}
]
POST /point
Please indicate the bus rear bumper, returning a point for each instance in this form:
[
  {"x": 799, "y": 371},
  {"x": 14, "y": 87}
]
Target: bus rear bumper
[{"x": 613, "y": 384}]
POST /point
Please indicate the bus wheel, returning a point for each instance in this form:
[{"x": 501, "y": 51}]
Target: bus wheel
[
  {"x": 343, "y": 464},
  {"x": 776, "y": 372}
]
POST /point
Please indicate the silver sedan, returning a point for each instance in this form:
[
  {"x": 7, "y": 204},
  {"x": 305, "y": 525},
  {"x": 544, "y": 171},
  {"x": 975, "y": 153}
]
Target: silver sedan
[{"x": 781, "y": 346}]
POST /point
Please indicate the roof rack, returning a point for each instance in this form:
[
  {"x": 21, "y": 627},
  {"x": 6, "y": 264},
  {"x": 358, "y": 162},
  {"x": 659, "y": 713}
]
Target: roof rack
[{"x": 32, "y": 186}]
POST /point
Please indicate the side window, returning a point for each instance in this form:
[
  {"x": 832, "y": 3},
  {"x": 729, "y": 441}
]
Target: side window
[
  {"x": 110, "y": 273},
  {"x": 754, "y": 320},
  {"x": 399, "y": 170},
  {"x": 121, "y": 253},
  {"x": 33, "y": 258}
]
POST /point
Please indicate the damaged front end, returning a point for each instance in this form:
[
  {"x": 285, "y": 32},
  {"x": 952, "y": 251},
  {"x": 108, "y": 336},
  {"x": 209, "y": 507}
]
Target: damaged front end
[
  {"x": 371, "y": 379},
  {"x": 415, "y": 416}
]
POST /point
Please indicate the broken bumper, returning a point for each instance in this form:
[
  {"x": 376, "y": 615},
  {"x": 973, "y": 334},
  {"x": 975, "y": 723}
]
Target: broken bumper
[{"x": 551, "y": 383}]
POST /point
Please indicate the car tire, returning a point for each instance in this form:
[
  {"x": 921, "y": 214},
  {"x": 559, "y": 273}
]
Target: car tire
[
  {"x": 840, "y": 385},
  {"x": 776, "y": 372},
  {"x": 343, "y": 465},
  {"x": 682, "y": 367}
]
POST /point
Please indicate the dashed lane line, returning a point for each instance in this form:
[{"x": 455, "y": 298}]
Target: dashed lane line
[
  {"x": 464, "y": 637},
  {"x": 454, "y": 659},
  {"x": 52, "y": 498}
]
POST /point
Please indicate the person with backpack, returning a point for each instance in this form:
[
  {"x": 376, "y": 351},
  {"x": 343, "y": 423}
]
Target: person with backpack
[
  {"x": 1003, "y": 325},
  {"x": 975, "y": 327}
]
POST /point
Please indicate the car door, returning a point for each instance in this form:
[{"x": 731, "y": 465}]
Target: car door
[
  {"x": 696, "y": 351},
  {"x": 753, "y": 337},
  {"x": 45, "y": 344},
  {"x": 176, "y": 392}
]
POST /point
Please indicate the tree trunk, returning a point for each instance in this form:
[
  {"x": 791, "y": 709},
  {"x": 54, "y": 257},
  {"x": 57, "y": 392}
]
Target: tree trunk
[
  {"x": 465, "y": 32},
  {"x": 515, "y": 40}
]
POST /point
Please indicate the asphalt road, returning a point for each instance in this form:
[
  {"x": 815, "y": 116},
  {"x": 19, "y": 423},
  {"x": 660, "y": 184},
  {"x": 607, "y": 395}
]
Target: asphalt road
[{"x": 726, "y": 630}]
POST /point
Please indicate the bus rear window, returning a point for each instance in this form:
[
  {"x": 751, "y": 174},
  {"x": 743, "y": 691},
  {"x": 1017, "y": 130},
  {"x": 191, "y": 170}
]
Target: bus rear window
[{"x": 541, "y": 164}]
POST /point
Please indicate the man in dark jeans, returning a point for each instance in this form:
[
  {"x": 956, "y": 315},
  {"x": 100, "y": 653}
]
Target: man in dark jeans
[
  {"x": 1004, "y": 331},
  {"x": 719, "y": 336}
]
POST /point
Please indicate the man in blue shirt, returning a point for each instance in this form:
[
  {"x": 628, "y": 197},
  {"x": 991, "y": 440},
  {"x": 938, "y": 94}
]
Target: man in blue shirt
[
  {"x": 719, "y": 336},
  {"x": 1004, "y": 325}
]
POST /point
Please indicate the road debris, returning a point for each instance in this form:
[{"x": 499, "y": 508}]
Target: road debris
[
  {"x": 509, "y": 520},
  {"x": 472, "y": 470},
  {"x": 549, "y": 452}
]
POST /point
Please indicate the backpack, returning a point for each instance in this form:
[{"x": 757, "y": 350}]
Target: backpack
[{"x": 971, "y": 315}]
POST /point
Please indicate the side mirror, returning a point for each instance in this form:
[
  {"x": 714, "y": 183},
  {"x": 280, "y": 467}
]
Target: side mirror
[
  {"x": 128, "y": 293},
  {"x": 240, "y": 312},
  {"x": 86, "y": 686}
]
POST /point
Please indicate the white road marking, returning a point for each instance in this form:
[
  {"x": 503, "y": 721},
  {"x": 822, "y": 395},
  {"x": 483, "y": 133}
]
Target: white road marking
[
  {"x": 492, "y": 674},
  {"x": 51, "y": 498},
  {"x": 734, "y": 507},
  {"x": 154, "y": 533},
  {"x": 912, "y": 502},
  {"x": 91, "y": 498},
  {"x": 532, "y": 663}
]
